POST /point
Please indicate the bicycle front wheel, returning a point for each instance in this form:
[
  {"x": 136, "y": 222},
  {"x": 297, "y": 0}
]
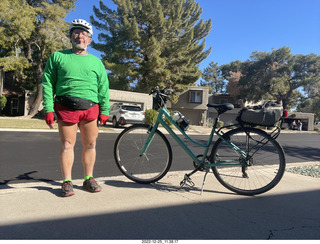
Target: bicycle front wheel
[
  {"x": 152, "y": 165},
  {"x": 262, "y": 169}
]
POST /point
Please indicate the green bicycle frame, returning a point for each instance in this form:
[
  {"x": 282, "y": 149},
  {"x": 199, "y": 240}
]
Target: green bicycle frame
[{"x": 160, "y": 120}]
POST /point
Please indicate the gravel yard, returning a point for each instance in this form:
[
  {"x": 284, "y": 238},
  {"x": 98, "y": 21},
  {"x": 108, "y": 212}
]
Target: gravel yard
[{"x": 307, "y": 170}]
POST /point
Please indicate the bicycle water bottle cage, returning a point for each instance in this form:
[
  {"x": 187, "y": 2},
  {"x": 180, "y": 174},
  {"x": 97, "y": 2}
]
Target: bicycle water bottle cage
[{"x": 221, "y": 108}]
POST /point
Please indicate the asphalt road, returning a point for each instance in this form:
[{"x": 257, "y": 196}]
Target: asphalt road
[{"x": 33, "y": 156}]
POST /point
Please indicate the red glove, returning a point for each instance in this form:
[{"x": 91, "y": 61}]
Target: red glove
[
  {"x": 49, "y": 118},
  {"x": 103, "y": 119}
]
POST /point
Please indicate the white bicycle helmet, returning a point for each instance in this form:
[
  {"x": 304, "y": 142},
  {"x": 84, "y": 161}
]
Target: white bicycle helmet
[{"x": 81, "y": 24}]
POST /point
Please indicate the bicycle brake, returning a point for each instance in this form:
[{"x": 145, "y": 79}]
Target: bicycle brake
[{"x": 187, "y": 182}]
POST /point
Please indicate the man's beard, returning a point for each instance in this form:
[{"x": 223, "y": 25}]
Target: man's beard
[{"x": 80, "y": 47}]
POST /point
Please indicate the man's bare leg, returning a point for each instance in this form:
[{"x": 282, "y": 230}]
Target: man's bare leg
[
  {"x": 68, "y": 136},
  {"x": 89, "y": 134}
]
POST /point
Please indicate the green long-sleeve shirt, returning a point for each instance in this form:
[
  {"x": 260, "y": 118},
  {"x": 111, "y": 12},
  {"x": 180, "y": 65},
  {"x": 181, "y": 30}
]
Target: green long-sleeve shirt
[{"x": 75, "y": 75}]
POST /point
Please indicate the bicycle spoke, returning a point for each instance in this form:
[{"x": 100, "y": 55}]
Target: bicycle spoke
[
  {"x": 260, "y": 173},
  {"x": 152, "y": 165}
]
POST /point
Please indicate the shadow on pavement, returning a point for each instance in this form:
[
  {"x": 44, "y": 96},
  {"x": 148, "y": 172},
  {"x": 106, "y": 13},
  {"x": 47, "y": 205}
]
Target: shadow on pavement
[{"x": 285, "y": 216}]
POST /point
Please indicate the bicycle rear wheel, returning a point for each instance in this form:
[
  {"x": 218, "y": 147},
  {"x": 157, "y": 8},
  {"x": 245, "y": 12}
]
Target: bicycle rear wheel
[
  {"x": 263, "y": 169},
  {"x": 152, "y": 165}
]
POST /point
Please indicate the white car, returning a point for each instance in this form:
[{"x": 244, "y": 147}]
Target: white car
[{"x": 122, "y": 114}]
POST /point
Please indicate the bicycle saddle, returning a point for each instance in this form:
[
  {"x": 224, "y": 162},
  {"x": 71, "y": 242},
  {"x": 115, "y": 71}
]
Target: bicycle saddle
[{"x": 221, "y": 108}]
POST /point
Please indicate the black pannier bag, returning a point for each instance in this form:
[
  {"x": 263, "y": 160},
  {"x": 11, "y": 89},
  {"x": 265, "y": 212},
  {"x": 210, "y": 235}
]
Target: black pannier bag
[{"x": 265, "y": 115}]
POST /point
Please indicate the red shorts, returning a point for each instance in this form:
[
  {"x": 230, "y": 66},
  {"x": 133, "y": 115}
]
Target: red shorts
[{"x": 75, "y": 116}]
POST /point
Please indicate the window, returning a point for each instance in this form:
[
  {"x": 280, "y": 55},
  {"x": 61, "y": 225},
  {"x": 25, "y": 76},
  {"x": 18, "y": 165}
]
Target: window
[
  {"x": 131, "y": 108},
  {"x": 195, "y": 97},
  {"x": 14, "y": 105}
]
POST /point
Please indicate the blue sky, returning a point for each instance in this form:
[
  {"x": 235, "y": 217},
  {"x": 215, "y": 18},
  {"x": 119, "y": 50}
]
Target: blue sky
[{"x": 240, "y": 27}]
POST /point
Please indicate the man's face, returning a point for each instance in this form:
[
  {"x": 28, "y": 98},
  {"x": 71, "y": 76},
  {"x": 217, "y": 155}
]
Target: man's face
[{"x": 80, "y": 39}]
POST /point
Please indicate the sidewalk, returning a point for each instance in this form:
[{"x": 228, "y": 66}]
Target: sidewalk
[{"x": 161, "y": 211}]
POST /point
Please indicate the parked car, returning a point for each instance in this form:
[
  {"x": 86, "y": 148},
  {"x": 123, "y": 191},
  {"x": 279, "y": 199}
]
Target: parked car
[
  {"x": 317, "y": 124},
  {"x": 122, "y": 114}
]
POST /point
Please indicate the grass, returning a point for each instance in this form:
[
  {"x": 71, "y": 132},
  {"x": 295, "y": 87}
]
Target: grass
[
  {"x": 29, "y": 123},
  {"x": 22, "y": 123}
]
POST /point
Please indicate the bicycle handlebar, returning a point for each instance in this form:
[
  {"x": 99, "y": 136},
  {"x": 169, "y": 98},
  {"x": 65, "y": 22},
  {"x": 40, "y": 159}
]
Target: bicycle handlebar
[
  {"x": 163, "y": 92},
  {"x": 161, "y": 96}
]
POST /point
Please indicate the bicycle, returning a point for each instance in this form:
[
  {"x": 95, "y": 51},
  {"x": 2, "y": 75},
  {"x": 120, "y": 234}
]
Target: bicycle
[{"x": 245, "y": 160}]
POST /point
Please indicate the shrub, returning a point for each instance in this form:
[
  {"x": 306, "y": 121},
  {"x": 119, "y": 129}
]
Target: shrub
[
  {"x": 220, "y": 124},
  {"x": 167, "y": 120},
  {"x": 230, "y": 124},
  {"x": 150, "y": 116},
  {"x": 3, "y": 102},
  {"x": 209, "y": 123}
]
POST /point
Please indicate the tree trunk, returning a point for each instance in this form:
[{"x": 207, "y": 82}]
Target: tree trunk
[
  {"x": 38, "y": 98},
  {"x": 36, "y": 102}
]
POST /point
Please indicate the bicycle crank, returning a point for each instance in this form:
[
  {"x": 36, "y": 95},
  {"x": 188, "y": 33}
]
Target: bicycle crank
[{"x": 200, "y": 167}]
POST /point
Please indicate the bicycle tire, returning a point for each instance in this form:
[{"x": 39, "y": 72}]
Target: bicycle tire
[
  {"x": 267, "y": 162},
  {"x": 153, "y": 165}
]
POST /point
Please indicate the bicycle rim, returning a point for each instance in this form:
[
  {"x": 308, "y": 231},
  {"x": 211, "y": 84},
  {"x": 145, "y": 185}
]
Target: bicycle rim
[
  {"x": 152, "y": 165},
  {"x": 266, "y": 165}
]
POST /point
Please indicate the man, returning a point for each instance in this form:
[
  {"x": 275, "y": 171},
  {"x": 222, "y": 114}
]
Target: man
[
  {"x": 299, "y": 125},
  {"x": 76, "y": 88}
]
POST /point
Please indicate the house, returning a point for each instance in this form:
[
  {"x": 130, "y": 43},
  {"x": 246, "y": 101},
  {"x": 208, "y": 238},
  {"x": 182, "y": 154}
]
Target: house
[
  {"x": 192, "y": 104},
  {"x": 136, "y": 98},
  {"x": 307, "y": 120},
  {"x": 142, "y": 99},
  {"x": 15, "y": 96}
]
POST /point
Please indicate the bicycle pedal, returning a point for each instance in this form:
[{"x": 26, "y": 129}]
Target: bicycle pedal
[{"x": 187, "y": 182}]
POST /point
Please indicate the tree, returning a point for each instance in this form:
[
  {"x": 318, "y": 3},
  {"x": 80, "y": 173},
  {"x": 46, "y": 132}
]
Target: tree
[
  {"x": 30, "y": 30},
  {"x": 212, "y": 77},
  {"x": 277, "y": 75},
  {"x": 308, "y": 105},
  {"x": 232, "y": 73},
  {"x": 148, "y": 43},
  {"x": 310, "y": 100}
]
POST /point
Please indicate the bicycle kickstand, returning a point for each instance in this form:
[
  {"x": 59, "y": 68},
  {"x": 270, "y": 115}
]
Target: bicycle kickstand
[{"x": 204, "y": 179}]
